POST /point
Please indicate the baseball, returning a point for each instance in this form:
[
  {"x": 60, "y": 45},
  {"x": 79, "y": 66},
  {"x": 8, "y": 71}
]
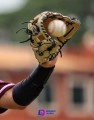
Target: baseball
[{"x": 57, "y": 28}]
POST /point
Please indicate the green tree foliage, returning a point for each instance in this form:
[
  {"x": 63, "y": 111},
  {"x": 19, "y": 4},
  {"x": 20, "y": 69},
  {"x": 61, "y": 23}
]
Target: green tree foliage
[{"x": 10, "y": 23}]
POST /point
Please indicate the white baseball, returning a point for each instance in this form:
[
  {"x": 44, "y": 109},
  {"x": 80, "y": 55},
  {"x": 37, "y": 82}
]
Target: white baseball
[{"x": 57, "y": 28}]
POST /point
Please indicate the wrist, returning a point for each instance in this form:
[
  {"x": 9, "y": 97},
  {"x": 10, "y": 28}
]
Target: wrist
[
  {"x": 49, "y": 64},
  {"x": 46, "y": 65}
]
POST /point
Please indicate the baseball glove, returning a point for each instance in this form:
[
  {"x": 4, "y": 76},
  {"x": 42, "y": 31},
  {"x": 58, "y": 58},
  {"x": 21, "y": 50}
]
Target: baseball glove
[{"x": 45, "y": 46}]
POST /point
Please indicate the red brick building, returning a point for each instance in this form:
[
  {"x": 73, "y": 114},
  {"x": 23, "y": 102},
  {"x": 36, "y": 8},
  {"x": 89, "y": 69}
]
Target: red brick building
[{"x": 69, "y": 92}]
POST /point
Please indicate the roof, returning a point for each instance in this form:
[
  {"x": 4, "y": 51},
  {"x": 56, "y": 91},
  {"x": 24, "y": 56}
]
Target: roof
[{"x": 15, "y": 57}]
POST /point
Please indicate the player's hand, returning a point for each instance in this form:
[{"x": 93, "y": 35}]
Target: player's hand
[{"x": 45, "y": 45}]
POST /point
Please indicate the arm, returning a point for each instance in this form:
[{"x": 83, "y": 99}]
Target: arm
[{"x": 7, "y": 101}]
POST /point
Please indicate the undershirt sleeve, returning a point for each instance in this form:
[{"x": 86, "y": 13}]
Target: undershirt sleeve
[{"x": 4, "y": 86}]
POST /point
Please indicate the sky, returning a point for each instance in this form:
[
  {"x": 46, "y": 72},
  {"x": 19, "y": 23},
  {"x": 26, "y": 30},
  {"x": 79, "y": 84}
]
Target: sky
[{"x": 9, "y": 6}]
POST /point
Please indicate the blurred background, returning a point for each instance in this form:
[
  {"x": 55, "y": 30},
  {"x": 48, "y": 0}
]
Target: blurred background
[{"x": 69, "y": 93}]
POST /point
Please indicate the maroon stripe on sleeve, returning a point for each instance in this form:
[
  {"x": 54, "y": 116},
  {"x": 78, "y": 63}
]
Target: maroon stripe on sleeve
[{"x": 4, "y": 86}]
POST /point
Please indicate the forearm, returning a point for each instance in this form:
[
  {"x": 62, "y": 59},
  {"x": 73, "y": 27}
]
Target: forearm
[
  {"x": 27, "y": 90},
  {"x": 7, "y": 101}
]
